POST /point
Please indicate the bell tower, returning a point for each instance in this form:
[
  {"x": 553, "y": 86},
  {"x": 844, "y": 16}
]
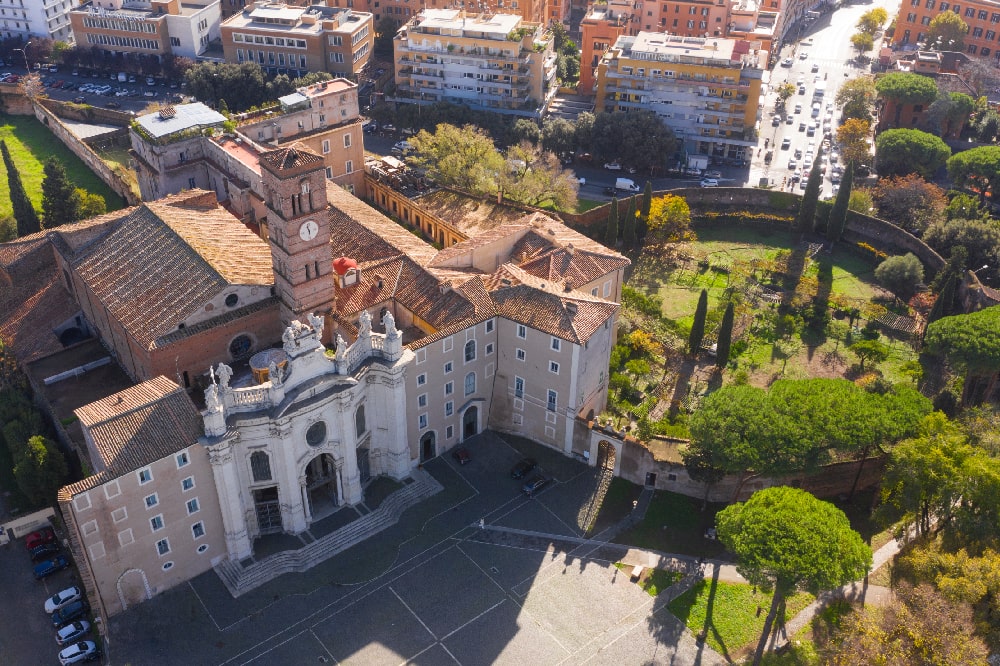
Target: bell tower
[{"x": 294, "y": 182}]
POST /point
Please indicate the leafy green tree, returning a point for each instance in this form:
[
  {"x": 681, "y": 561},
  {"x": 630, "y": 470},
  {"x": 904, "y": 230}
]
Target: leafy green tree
[
  {"x": 947, "y": 32},
  {"x": 725, "y": 339},
  {"x": 948, "y": 114},
  {"x": 785, "y": 539},
  {"x": 24, "y": 211},
  {"x": 40, "y": 470},
  {"x": 526, "y": 130},
  {"x": 870, "y": 351},
  {"x": 901, "y": 274},
  {"x": 698, "y": 326},
  {"x": 905, "y": 88},
  {"x": 857, "y": 97},
  {"x": 942, "y": 304},
  {"x": 977, "y": 169},
  {"x": 91, "y": 205},
  {"x": 558, "y": 136},
  {"x": 965, "y": 207},
  {"x": 861, "y": 201},
  {"x": 852, "y": 135},
  {"x": 628, "y": 228},
  {"x": 585, "y": 130},
  {"x": 806, "y": 218},
  {"x": 241, "y": 85},
  {"x": 385, "y": 31},
  {"x": 638, "y": 138},
  {"x": 702, "y": 469},
  {"x": 862, "y": 42},
  {"x": 981, "y": 239},
  {"x": 60, "y": 202},
  {"x": 8, "y": 229},
  {"x": 909, "y": 202},
  {"x": 669, "y": 219},
  {"x": 611, "y": 231},
  {"x": 971, "y": 342},
  {"x": 899, "y": 152},
  {"x": 838, "y": 215},
  {"x": 785, "y": 91}
]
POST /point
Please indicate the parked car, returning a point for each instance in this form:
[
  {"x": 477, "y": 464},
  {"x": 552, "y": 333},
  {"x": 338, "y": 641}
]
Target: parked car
[
  {"x": 461, "y": 455},
  {"x": 401, "y": 147},
  {"x": 36, "y": 539},
  {"x": 370, "y": 127},
  {"x": 521, "y": 469},
  {"x": 786, "y": 143},
  {"x": 72, "y": 632},
  {"x": 45, "y": 551},
  {"x": 389, "y": 127},
  {"x": 150, "y": 81},
  {"x": 787, "y": 62},
  {"x": 713, "y": 174},
  {"x": 78, "y": 653},
  {"x": 49, "y": 567},
  {"x": 62, "y": 598},
  {"x": 69, "y": 613},
  {"x": 708, "y": 182},
  {"x": 612, "y": 166},
  {"x": 113, "y": 105},
  {"x": 535, "y": 484}
]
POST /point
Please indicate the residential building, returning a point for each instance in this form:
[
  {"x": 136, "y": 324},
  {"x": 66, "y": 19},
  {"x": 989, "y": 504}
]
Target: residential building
[
  {"x": 705, "y": 90},
  {"x": 24, "y": 19},
  {"x": 401, "y": 11},
  {"x": 323, "y": 118},
  {"x": 275, "y": 379},
  {"x": 287, "y": 39},
  {"x": 600, "y": 28},
  {"x": 982, "y": 17},
  {"x": 147, "y": 28},
  {"x": 494, "y": 62}
]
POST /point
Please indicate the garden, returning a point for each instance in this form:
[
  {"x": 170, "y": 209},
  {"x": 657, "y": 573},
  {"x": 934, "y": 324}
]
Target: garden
[
  {"x": 30, "y": 144},
  {"x": 799, "y": 309}
]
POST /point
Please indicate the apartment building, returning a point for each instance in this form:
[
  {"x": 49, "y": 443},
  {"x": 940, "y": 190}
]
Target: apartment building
[
  {"x": 284, "y": 38},
  {"x": 401, "y": 11},
  {"x": 24, "y": 19},
  {"x": 324, "y": 118},
  {"x": 705, "y": 90},
  {"x": 152, "y": 28},
  {"x": 982, "y": 17},
  {"x": 493, "y": 62}
]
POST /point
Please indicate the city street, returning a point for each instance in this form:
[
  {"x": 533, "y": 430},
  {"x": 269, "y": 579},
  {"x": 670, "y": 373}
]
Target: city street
[{"x": 826, "y": 45}]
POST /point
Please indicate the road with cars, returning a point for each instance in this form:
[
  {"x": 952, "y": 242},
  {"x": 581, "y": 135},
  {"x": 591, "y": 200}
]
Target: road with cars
[{"x": 823, "y": 57}]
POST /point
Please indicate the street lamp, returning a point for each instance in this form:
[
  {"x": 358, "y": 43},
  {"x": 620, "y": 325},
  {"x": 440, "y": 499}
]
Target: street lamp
[
  {"x": 24, "y": 52},
  {"x": 981, "y": 268}
]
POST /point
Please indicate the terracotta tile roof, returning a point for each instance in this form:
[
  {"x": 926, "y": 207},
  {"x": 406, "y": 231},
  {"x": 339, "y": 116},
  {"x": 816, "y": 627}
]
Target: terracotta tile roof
[
  {"x": 368, "y": 292},
  {"x": 364, "y": 220},
  {"x": 284, "y": 159},
  {"x": 547, "y": 306},
  {"x": 436, "y": 302},
  {"x": 460, "y": 254},
  {"x": 531, "y": 245},
  {"x": 33, "y": 298},
  {"x": 468, "y": 215},
  {"x": 576, "y": 267},
  {"x": 132, "y": 428},
  {"x": 559, "y": 234},
  {"x": 162, "y": 261},
  {"x": 67, "y": 493}
]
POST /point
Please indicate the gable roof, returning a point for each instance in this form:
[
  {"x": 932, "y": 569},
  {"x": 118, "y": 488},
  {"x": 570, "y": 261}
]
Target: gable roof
[
  {"x": 135, "y": 427},
  {"x": 160, "y": 262}
]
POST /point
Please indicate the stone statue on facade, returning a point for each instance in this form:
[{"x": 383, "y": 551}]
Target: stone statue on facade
[
  {"x": 212, "y": 402},
  {"x": 364, "y": 324},
  {"x": 317, "y": 324},
  {"x": 390, "y": 325},
  {"x": 274, "y": 374},
  {"x": 341, "y": 353},
  {"x": 288, "y": 339},
  {"x": 225, "y": 373}
]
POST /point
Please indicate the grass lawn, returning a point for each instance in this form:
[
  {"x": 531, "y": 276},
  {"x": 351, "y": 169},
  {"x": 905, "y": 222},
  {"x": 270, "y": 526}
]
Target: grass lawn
[
  {"x": 675, "y": 524},
  {"x": 583, "y": 205},
  {"x": 727, "y": 613},
  {"x": 30, "y": 144},
  {"x": 652, "y": 581}
]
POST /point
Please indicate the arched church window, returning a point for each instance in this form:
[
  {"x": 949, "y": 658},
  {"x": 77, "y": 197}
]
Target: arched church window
[
  {"x": 260, "y": 466},
  {"x": 360, "y": 427}
]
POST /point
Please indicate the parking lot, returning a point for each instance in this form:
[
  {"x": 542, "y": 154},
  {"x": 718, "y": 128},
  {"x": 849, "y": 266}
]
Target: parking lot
[
  {"x": 435, "y": 588},
  {"x": 26, "y": 632}
]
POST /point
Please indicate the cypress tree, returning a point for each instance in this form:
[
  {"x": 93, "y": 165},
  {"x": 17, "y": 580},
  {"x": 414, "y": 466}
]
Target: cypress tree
[
  {"x": 611, "y": 233},
  {"x": 628, "y": 230},
  {"x": 807, "y": 209},
  {"x": 698, "y": 327},
  {"x": 942, "y": 306},
  {"x": 838, "y": 215},
  {"x": 725, "y": 340},
  {"x": 644, "y": 207},
  {"x": 60, "y": 201},
  {"x": 24, "y": 212}
]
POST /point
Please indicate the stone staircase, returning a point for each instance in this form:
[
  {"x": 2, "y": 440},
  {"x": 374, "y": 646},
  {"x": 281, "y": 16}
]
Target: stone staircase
[
  {"x": 240, "y": 579},
  {"x": 569, "y": 107}
]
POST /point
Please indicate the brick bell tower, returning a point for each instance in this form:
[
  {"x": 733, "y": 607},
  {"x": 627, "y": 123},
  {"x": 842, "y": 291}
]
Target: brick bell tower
[{"x": 298, "y": 224}]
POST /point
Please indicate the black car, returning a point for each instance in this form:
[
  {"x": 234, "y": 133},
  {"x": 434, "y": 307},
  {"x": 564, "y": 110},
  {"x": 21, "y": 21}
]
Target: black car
[
  {"x": 521, "y": 469},
  {"x": 535, "y": 484},
  {"x": 610, "y": 191},
  {"x": 67, "y": 614},
  {"x": 44, "y": 551}
]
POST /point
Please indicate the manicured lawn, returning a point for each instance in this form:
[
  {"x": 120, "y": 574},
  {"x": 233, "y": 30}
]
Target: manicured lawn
[
  {"x": 583, "y": 205},
  {"x": 727, "y": 613},
  {"x": 30, "y": 144},
  {"x": 652, "y": 581},
  {"x": 675, "y": 524}
]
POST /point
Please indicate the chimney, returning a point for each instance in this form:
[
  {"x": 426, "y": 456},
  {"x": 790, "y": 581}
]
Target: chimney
[
  {"x": 571, "y": 308},
  {"x": 566, "y": 286}
]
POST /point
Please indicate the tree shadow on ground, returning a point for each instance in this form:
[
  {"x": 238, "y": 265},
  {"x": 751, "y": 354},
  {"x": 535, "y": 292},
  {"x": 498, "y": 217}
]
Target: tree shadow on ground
[
  {"x": 793, "y": 273},
  {"x": 682, "y": 385}
]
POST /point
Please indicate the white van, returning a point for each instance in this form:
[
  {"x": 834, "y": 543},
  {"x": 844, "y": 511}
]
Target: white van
[{"x": 626, "y": 184}]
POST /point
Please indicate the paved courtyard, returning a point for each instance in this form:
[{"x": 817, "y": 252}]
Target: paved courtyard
[{"x": 434, "y": 589}]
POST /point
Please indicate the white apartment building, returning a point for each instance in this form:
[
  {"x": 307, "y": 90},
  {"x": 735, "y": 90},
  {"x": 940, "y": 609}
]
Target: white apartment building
[{"x": 25, "y": 19}]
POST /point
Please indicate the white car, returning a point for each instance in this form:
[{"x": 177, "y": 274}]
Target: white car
[
  {"x": 72, "y": 631},
  {"x": 77, "y": 653},
  {"x": 401, "y": 147},
  {"x": 613, "y": 166},
  {"x": 804, "y": 55},
  {"x": 62, "y": 598},
  {"x": 709, "y": 182}
]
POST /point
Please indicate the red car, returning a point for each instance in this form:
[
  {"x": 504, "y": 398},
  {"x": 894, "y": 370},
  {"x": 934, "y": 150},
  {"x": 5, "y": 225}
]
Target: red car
[{"x": 40, "y": 538}]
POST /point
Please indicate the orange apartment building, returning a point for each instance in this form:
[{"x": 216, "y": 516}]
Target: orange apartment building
[
  {"x": 982, "y": 17},
  {"x": 290, "y": 39}
]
